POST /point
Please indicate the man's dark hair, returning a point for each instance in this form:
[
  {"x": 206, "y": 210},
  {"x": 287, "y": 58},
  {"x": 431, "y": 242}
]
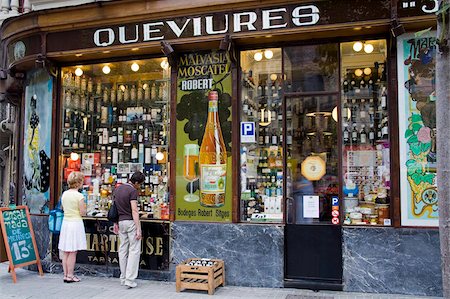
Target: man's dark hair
[{"x": 137, "y": 177}]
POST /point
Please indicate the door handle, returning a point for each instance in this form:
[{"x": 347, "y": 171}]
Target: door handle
[{"x": 289, "y": 202}]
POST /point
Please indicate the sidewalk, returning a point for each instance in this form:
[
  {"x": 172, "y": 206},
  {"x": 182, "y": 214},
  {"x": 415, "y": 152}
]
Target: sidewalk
[{"x": 31, "y": 285}]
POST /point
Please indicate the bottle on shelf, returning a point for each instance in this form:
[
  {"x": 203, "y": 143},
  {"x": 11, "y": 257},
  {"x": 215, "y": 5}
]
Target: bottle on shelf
[
  {"x": 346, "y": 134},
  {"x": 363, "y": 135},
  {"x": 355, "y": 135},
  {"x": 371, "y": 135},
  {"x": 385, "y": 129},
  {"x": 383, "y": 98}
]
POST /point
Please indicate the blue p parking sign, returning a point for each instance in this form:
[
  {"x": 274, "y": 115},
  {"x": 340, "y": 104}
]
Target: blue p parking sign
[{"x": 248, "y": 132}]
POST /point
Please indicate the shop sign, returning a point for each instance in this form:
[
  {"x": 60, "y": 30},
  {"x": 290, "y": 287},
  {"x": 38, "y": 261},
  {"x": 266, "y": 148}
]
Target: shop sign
[
  {"x": 274, "y": 18},
  {"x": 248, "y": 132},
  {"x": 103, "y": 245},
  {"x": 204, "y": 174},
  {"x": 267, "y": 19},
  {"x": 313, "y": 168},
  {"x": 409, "y": 8},
  {"x": 417, "y": 129}
]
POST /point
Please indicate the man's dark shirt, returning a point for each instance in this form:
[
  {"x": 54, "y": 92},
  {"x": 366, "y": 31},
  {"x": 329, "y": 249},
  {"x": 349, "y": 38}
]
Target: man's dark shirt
[{"x": 123, "y": 195}]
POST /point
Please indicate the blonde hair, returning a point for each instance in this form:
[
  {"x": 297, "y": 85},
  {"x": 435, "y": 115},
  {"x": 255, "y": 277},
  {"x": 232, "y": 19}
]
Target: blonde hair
[{"x": 75, "y": 179}]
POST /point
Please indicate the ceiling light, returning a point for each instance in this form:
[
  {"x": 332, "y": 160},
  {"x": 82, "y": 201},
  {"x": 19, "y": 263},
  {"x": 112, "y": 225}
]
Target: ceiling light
[
  {"x": 367, "y": 71},
  {"x": 122, "y": 87},
  {"x": 106, "y": 69},
  {"x": 135, "y": 67},
  {"x": 78, "y": 55},
  {"x": 273, "y": 77},
  {"x": 358, "y": 72},
  {"x": 78, "y": 72},
  {"x": 164, "y": 64},
  {"x": 258, "y": 56},
  {"x": 144, "y": 87},
  {"x": 368, "y": 48},
  {"x": 268, "y": 54},
  {"x": 357, "y": 46}
]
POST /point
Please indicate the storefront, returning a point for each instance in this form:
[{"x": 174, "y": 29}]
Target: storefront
[{"x": 273, "y": 135}]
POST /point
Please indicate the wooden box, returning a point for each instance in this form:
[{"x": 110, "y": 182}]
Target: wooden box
[{"x": 190, "y": 275}]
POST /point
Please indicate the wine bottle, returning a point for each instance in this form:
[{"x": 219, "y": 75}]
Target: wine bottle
[
  {"x": 346, "y": 135},
  {"x": 372, "y": 135},
  {"x": 213, "y": 158},
  {"x": 363, "y": 135},
  {"x": 354, "y": 135}
]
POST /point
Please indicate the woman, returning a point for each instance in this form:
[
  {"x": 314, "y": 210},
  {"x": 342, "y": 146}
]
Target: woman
[{"x": 72, "y": 237}]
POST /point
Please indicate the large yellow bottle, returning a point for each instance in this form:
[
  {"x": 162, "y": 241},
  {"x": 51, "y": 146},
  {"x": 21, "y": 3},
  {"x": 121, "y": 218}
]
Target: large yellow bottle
[{"x": 213, "y": 158}]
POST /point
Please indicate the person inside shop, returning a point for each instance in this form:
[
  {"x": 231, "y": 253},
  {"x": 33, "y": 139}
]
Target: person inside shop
[
  {"x": 72, "y": 237},
  {"x": 129, "y": 228},
  {"x": 301, "y": 186}
]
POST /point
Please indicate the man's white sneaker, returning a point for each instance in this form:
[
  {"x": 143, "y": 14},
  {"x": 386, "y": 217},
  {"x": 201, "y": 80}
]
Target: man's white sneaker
[{"x": 130, "y": 284}]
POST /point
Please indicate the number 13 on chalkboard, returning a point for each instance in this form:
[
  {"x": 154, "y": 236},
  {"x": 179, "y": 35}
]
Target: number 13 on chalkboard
[
  {"x": 20, "y": 250},
  {"x": 17, "y": 239}
]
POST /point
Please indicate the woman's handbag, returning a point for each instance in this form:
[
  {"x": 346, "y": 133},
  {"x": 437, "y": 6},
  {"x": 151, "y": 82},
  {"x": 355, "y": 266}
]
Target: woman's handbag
[
  {"x": 55, "y": 219},
  {"x": 113, "y": 214}
]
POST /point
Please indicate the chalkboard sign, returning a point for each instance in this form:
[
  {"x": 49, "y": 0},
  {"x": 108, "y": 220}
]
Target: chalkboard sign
[{"x": 18, "y": 239}]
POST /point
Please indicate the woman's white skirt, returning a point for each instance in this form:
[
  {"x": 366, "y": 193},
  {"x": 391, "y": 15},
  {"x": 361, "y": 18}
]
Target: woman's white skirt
[{"x": 72, "y": 236}]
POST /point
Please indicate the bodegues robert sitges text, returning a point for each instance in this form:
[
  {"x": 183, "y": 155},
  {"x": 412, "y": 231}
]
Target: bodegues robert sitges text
[{"x": 219, "y": 23}]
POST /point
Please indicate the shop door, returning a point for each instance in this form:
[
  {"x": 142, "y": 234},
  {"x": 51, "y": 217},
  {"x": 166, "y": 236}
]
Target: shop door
[{"x": 313, "y": 244}]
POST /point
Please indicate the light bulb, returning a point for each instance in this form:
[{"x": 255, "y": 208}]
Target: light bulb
[
  {"x": 145, "y": 86},
  {"x": 368, "y": 48},
  {"x": 74, "y": 156},
  {"x": 268, "y": 54},
  {"x": 357, "y": 46},
  {"x": 273, "y": 77},
  {"x": 106, "y": 69},
  {"x": 258, "y": 56},
  {"x": 122, "y": 87},
  {"x": 159, "y": 156},
  {"x": 358, "y": 72},
  {"x": 135, "y": 67},
  {"x": 367, "y": 71},
  {"x": 164, "y": 64},
  {"x": 78, "y": 72}
]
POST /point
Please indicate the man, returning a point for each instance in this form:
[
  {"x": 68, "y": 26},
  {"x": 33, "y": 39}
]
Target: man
[{"x": 129, "y": 228}]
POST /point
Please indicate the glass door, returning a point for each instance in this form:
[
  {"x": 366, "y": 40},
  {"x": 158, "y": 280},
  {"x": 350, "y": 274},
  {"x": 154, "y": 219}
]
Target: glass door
[{"x": 313, "y": 245}]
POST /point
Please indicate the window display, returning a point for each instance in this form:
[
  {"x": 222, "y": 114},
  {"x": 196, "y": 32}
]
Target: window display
[
  {"x": 115, "y": 121},
  {"x": 261, "y": 150},
  {"x": 365, "y": 133}
]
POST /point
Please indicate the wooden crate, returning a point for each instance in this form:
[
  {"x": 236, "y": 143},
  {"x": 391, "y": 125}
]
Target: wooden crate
[{"x": 200, "y": 277}]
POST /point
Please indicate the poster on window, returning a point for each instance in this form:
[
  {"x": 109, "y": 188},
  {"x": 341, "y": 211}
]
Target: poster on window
[
  {"x": 203, "y": 168},
  {"x": 417, "y": 129},
  {"x": 37, "y": 141}
]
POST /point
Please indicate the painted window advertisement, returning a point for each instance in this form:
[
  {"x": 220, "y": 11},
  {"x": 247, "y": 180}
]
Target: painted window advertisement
[
  {"x": 203, "y": 180},
  {"x": 37, "y": 141},
  {"x": 417, "y": 129}
]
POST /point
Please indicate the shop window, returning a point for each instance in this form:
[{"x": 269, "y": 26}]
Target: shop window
[
  {"x": 365, "y": 133},
  {"x": 261, "y": 139},
  {"x": 115, "y": 121}
]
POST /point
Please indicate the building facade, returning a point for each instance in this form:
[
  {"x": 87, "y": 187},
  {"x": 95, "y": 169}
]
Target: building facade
[{"x": 295, "y": 140}]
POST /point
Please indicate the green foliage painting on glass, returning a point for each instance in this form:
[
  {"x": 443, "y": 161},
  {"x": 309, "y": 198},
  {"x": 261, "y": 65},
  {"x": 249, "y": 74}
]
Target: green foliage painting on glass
[{"x": 419, "y": 140}]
